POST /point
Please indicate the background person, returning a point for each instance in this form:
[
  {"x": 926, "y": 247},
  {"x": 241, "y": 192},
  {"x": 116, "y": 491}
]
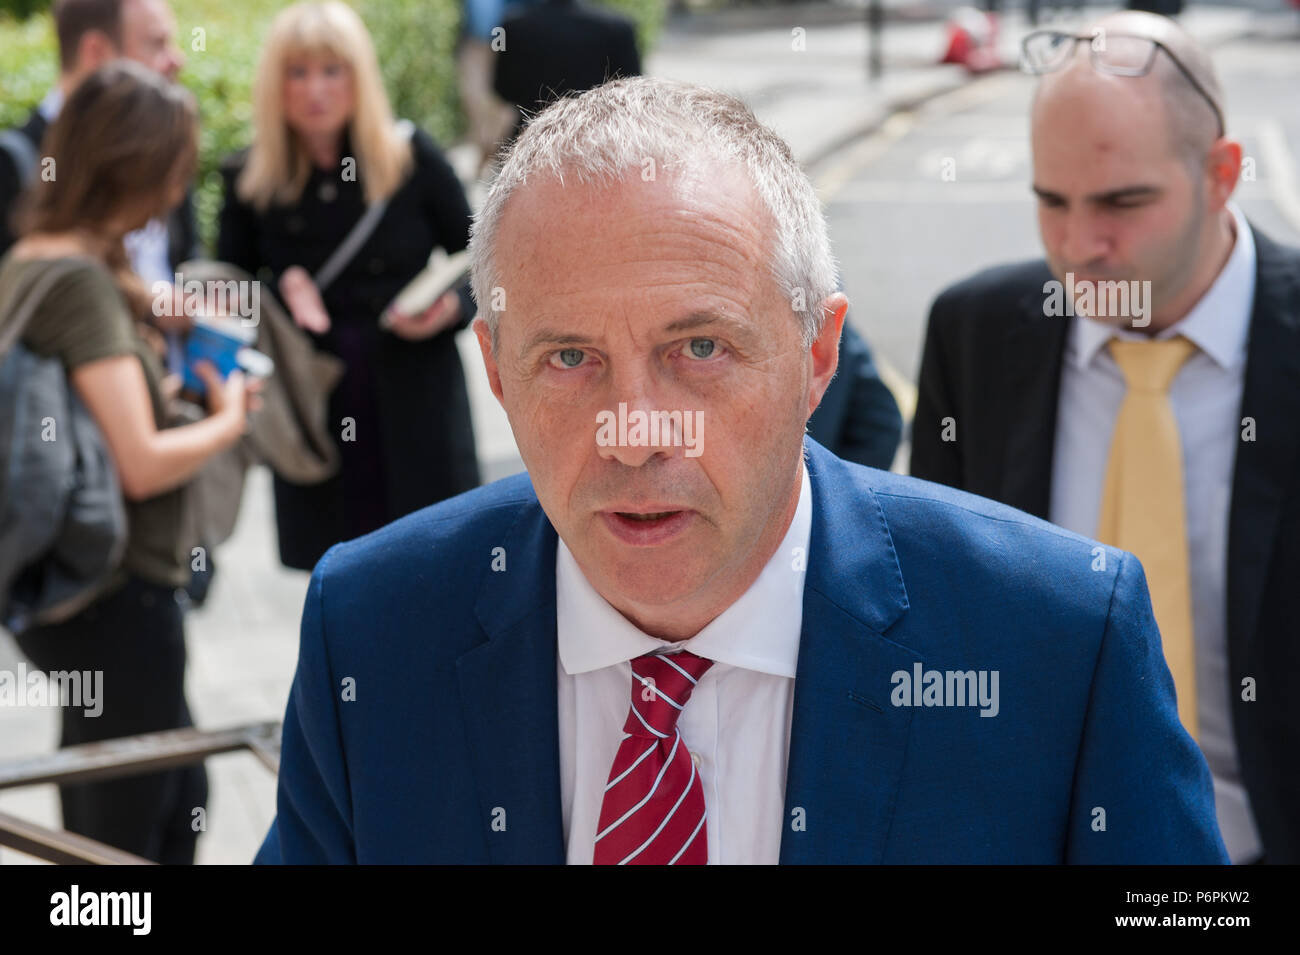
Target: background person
[
  {"x": 556, "y": 48},
  {"x": 488, "y": 117},
  {"x": 125, "y": 145},
  {"x": 401, "y": 412},
  {"x": 858, "y": 418},
  {"x": 90, "y": 34},
  {"x": 1140, "y": 436}
]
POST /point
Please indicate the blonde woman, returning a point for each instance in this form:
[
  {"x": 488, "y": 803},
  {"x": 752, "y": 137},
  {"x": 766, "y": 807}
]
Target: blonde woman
[{"x": 325, "y": 145}]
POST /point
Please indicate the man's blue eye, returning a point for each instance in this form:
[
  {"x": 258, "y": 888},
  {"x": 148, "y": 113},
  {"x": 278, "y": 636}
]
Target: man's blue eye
[
  {"x": 702, "y": 347},
  {"x": 571, "y": 357}
]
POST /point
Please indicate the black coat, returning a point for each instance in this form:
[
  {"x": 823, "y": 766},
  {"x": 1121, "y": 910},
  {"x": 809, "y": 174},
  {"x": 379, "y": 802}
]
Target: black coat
[
  {"x": 182, "y": 233},
  {"x": 858, "y": 418},
  {"x": 561, "y": 47},
  {"x": 993, "y": 363},
  {"x": 412, "y": 441}
]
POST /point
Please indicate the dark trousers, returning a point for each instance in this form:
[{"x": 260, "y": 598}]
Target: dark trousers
[{"x": 136, "y": 637}]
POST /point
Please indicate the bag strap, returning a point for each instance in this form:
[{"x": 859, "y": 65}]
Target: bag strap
[
  {"x": 28, "y": 303},
  {"x": 362, "y": 231},
  {"x": 23, "y": 154}
]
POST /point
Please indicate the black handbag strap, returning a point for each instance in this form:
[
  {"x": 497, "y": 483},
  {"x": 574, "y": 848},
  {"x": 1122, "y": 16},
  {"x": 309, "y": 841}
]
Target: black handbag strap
[{"x": 356, "y": 238}]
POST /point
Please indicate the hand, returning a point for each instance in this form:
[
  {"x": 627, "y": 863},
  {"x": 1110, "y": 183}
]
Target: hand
[
  {"x": 233, "y": 399},
  {"x": 438, "y": 317},
  {"x": 173, "y": 319},
  {"x": 170, "y": 387},
  {"x": 303, "y": 300}
]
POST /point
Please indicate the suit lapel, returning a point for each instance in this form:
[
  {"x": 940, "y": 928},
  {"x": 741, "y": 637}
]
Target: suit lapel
[
  {"x": 508, "y": 696},
  {"x": 1264, "y": 466},
  {"x": 1034, "y": 346},
  {"x": 846, "y": 741}
]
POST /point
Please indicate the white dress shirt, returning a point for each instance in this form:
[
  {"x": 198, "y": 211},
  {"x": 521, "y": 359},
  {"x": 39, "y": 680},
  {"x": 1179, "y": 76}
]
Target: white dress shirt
[
  {"x": 1206, "y": 400},
  {"x": 736, "y": 723}
]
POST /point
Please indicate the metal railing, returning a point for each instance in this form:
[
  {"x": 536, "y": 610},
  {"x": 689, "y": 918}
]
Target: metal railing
[{"x": 127, "y": 756}]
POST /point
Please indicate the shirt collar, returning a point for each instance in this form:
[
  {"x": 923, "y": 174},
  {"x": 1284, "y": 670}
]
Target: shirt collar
[
  {"x": 50, "y": 106},
  {"x": 1218, "y": 324},
  {"x": 760, "y": 631}
]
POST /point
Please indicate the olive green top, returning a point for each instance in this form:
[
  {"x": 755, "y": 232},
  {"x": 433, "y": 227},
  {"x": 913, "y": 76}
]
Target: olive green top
[{"x": 84, "y": 318}]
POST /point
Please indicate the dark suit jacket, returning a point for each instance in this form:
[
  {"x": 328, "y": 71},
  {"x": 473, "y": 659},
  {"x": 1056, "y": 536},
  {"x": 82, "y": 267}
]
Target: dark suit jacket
[
  {"x": 182, "y": 232},
  {"x": 561, "y": 47},
  {"x": 858, "y": 418},
  {"x": 453, "y": 719},
  {"x": 992, "y": 362}
]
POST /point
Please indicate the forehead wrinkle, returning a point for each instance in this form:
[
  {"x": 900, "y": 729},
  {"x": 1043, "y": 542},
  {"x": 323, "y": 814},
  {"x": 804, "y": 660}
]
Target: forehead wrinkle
[
  {"x": 708, "y": 237},
  {"x": 686, "y": 247}
]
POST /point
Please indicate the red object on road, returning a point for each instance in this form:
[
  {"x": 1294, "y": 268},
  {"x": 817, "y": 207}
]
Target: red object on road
[{"x": 972, "y": 40}]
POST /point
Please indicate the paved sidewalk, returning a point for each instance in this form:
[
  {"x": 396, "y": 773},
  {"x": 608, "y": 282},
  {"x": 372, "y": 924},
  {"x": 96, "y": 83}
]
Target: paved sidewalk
[{"x": 243, "y": 645}]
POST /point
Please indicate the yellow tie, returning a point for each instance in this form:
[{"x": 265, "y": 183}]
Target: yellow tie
[{"x": 1143, "y": 507}]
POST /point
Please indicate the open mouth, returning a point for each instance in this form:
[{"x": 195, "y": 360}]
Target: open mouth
[{"x": 647, "y": 528}]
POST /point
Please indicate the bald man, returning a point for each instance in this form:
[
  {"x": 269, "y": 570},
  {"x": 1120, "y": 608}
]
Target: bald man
[{"x": 1141, "y": 385}]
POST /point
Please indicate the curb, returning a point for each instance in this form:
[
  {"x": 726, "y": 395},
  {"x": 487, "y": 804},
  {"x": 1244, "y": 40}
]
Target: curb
[{"x": 901, "y": 104}]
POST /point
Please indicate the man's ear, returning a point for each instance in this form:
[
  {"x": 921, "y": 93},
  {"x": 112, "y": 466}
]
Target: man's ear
[
  {"x": 825, "y": 349},
  {"x": 1223, "y": 167},
  {"x": 484, "y": 335}
]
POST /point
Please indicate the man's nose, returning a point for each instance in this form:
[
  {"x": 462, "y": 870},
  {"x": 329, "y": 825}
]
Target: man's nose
[
  {"x": 1083, "y": 240},
  {"x": 637, "y": 426}
]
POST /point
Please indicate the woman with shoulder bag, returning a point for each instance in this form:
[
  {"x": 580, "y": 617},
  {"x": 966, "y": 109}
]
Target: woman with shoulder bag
[
  {"x": 123, "y": 148},
  {"x": 325, "y": 155}
]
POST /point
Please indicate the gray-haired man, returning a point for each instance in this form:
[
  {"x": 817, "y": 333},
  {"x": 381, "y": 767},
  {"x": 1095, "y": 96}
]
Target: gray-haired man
[{"x": 689, "y": 634}]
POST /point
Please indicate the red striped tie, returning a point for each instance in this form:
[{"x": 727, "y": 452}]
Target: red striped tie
[{"x": 653, "y": 811}]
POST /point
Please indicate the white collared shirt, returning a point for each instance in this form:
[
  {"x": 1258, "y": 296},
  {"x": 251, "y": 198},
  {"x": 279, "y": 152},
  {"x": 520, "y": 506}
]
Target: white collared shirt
[
  {"x": 736, "y": 723},
  {"x": 1206, "y": 400}
]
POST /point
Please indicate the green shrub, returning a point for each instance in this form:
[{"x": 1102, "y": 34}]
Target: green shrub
[
  {"x": 29, "y": 65},
  {"x": 415, "y": 40},
  {"x": 22, "y": 9}
]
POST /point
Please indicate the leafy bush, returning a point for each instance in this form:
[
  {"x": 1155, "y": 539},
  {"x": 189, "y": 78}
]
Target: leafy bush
[
  {"x": 21, "y": 9},
  {"x": 415, "y": 40},
  {"x": 29, "y": 65}
]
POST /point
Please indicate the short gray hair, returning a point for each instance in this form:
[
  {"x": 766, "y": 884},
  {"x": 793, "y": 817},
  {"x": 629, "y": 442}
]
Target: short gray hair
[{"x": 600, "y": 136}]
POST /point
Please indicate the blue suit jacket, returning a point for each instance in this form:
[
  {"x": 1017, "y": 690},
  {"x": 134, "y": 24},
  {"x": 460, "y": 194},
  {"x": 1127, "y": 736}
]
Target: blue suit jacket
[{"x": 424, "y": 705}]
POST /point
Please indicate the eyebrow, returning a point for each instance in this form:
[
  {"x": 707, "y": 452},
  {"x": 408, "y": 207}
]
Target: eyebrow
[
  {"x": 688, "y": 323},
  {"x": 1113, "y": 195}
]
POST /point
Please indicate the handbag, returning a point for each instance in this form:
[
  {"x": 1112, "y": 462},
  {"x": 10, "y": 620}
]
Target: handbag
[{"x": 63, "y": 524}]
